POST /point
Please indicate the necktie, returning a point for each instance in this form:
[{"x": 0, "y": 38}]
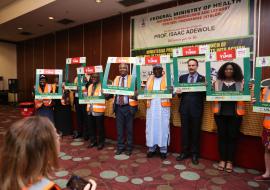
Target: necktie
[
  {"x": 191, "y": 79},
  {"x": 121, "y": 97}
]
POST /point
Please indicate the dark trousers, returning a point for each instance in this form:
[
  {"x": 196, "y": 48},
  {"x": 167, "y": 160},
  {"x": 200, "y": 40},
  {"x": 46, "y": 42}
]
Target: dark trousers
[
  {"x": 96, "y": 128},
  {"x": 228, "y": 131},
  {"x": 81, "y": 118},
  {"x": 191, "y": 128},
  {"x": 124, "y": 119}
]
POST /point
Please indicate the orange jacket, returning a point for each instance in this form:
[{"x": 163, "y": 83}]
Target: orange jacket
[{"x": 150, "y": 85}]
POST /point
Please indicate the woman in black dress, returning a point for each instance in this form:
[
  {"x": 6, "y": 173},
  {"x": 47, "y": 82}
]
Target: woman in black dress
[{"x": 228, "y": 114}]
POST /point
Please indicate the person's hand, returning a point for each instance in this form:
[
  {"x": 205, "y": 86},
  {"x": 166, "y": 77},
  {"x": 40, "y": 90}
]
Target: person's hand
[
  {"x": 268, "y": 147},
  {"x": 102, "y": 91},
  {"x": 253, "y": 100},
  {"x": 93, "y": 185},
  {"x": 251, "y": 86},
  {"x": 178, "y": 91}
]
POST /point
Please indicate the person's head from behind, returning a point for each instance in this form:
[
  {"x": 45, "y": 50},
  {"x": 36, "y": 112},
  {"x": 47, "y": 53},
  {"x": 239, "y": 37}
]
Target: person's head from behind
[
  {"x": 123, "y": 69},
  {"x": 29, "y": 152},
  {"x": 192, "y": 66},
  {"x": 230, "y": 71}
]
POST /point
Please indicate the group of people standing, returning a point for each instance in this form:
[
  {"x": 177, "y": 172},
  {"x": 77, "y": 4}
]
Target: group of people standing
[{"x": 227, "y": 114}]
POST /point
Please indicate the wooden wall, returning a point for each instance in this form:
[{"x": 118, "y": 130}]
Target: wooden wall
[{"x": 96, "y": 40}]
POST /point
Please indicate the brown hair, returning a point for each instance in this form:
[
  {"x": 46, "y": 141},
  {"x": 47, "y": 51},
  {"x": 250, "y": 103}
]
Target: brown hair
[{"x": 29, "y": 152}]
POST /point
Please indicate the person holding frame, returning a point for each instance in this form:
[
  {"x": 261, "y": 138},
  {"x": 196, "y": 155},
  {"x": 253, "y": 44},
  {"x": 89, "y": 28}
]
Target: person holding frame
[
  {"x": 157, "y": 115},
  {"x": 125, "y": 103},
  {"x": 45, "y": 92},
  {"x": 95, "y": 105},
  {"x": 191, "y": 111},
  {"x": 190, "y": 88},
  {"x": 157, "y": 92},
  {"x": 62, "y": 110},
  {"x": 229, "y": 111},
  {"x": 72, "y": 84},
  {"x": 261, "y": 103}
]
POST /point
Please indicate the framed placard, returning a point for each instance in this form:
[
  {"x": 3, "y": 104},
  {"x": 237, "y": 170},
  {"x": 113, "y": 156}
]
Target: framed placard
[
  {"x": 79, "y": 62},
  {"x": 215, "y": 61},
  {"x": 82, "y": 91},
  {"x": 164, "y": 60},
  {"x": 262, "y": 85},
  {"x": 111, "y": 89},
  {"x": 180, "y": 67},
  {"x": 52, "y": 73}
]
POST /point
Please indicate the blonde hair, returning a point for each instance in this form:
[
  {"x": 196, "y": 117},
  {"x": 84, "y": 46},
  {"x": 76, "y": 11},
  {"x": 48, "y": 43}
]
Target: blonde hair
[{"x": 29, "y": 152}]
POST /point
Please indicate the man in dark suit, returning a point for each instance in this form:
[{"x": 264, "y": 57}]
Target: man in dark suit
[
  {"x": 124, "y": 108},
  {"x": 191, "y": 110}
]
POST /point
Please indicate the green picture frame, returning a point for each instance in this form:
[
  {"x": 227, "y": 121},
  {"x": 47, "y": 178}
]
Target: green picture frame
[
  {"x": 59, "y": 94},
  {"x": 259, "y": 106},
  {"x": 81, "y": 71},
  {"x": 127, "y": 91},
  {"x": 184, "y": 53},
  {"x": 144, "y": 94},
  {"x": 235, "y": 55},
  {"x": 81, "y": 61}
]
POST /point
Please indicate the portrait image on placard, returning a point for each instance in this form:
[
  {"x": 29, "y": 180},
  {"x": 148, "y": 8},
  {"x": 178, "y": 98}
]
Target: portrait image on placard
[
  {"x": 72, "y": 64},
  {"x": 48, "y": 84},
  {"x": 262, "y": 85},
  {"x": 146, "y": 71},
  {"x": 183, "y": 65},
  {"x": 216, "y": 66},
  {"x": 145, "y": 76},
  {"x": 228, "y": 75},
  {"x": 115, "y": 68},
  {"x": 93, "y": 72}
]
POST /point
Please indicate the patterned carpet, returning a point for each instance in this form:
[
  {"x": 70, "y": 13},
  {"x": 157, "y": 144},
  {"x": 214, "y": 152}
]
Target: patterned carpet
[{"x": 138, "y": 172}]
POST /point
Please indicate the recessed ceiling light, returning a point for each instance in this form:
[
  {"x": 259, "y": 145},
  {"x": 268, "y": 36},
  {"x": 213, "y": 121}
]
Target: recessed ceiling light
[
  {"x": 50, "y": 17},
  {"x": 20, "y": 28},
  {"x": 98, "y": 1}
]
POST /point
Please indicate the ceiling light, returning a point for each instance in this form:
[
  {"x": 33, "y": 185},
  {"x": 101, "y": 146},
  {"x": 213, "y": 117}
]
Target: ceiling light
[
  {"x": 20, "y": 28},
  {"x": 98, "y": 1},
  {"x": 50, "y": 17}
]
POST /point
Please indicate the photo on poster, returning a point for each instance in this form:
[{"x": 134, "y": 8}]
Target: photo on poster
[
  {"x": 189, "y": 68},
  {"x": 262, "y": 85},
  {"x": 228, "y": 76},
  {"x": 150, "y": 70},
  {"x": 90, "y": 93},
  {"x": 47, "y": 84},
  {"x": 71, "y": 78},
  {"x": 113, "y": 82}
]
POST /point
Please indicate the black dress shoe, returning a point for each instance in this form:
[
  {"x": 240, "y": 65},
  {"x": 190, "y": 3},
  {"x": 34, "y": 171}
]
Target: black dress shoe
[
  {"x": 182, "y": 156},
  {"x": 93, "y": 144},
  {"x": 100, "y": 146},
  {"x": 150, "y": 154},
  {"x": 119, "y": 151},
  {"x": 128, "y": 152},
  {"x": 163, "y": 156},
  {"x": 195, "y": 160}
]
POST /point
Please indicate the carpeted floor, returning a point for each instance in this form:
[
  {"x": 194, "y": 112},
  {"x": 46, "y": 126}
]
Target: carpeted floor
[{"x": 138, "y": 172}]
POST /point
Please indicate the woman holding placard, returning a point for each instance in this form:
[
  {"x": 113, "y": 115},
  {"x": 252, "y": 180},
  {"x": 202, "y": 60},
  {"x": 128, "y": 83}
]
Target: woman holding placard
[{"x": 228, "y": 114}]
